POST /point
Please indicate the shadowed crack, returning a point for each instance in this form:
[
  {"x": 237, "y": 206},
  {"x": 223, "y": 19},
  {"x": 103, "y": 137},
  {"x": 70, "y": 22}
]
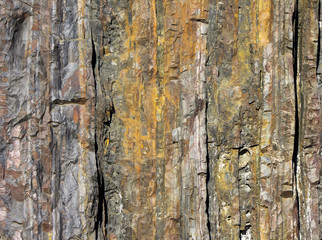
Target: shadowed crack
[
  {"x": 77, "y": 101},
  {"x": 295, "y": 19}
]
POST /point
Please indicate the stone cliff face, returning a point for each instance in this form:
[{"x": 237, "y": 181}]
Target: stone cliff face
[{"x": 160, "y": 119}]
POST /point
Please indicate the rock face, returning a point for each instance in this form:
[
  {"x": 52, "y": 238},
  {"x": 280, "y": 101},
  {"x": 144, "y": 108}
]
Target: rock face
[{"x": 160, "y": 119}]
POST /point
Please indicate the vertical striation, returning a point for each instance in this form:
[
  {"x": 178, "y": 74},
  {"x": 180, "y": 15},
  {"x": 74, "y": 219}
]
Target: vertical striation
[
  {"x": 48, "y": 178},
  {"x": 160, "y": 119}
]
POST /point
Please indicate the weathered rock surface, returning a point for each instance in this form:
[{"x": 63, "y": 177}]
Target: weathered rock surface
[{"x": 160, "y": 119}]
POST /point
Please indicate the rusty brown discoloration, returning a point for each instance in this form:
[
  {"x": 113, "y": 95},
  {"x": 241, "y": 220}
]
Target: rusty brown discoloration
[{"x": 159, "y": 119}]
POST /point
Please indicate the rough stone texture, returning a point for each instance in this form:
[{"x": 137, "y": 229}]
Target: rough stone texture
[
  {"x": 48, "y": 182},
  {"x": 160, "y": 119}
]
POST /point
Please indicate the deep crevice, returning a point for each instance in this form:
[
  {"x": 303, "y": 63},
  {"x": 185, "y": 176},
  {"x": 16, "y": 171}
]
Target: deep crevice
[
  {"x": 94, "y": 61},
  {"x": 77, "y": 101},
  {"x": 295, "y": 20},
  {"x": 208, "y": 174},
  {"x": 101, "y": 205},
  {"x": 319, "y": 44}
]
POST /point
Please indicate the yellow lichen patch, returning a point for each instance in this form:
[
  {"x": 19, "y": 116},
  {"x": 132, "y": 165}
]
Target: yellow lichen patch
[
  {"x": 137, "y": 112},
  {"x": 265, "y": 21},
  {"x": 224, "y": 174},
  {"x": 221, "y": 178},
  {"x": 107, "y": 142},
  {"x": 138, "y": 96}
]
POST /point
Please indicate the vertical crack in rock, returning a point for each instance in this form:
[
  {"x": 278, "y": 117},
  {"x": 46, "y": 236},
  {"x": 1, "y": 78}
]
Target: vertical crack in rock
[
  {"x": 101, "y": 219},
  {"x": 318, "y": 74},
  {"x": 101, "y": 201},
  {"x": 208, "y": 171},
  {"x": 94, "y": 59},
  {"x": 319, "y": 43},
  {"x": 104, "y": 122},
  {"x": 295, "y": 19},
  {"x": 99, "y": 216}
]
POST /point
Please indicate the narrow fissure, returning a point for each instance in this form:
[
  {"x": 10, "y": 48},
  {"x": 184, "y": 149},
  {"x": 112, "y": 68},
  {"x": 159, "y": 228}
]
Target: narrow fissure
[
  {"x": 319, "y": 37},
  {"x": 318, "y": 75},
  {"x": 101, "y": 208},
  {"x": 295, "y": 20},
  {"x": 94, "y": 62},
  {"x": 102, "y": 205},
  {"x": 99, "y": 219},
  {"x": 208, "y": 175}
]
